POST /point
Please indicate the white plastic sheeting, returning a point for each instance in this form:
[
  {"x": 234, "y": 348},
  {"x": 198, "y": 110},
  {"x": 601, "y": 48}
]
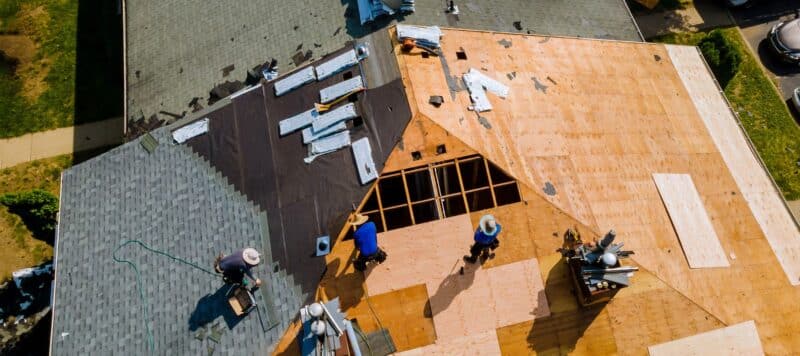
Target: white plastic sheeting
[
  {"x": 310, "y": 135},
  {"x": 362, "y": 152},
  {"x": 297, "y": 122},
  {"x": 477, "y": 84},
  {"x": 196, "y": 128},
  {"x": 336, "y": 64},
  {"x": 295, "y": 80},
  {"x": 335, "y": 91},
  {"x": 426, "y": 35},
  {"x": 332, "y": 117}
]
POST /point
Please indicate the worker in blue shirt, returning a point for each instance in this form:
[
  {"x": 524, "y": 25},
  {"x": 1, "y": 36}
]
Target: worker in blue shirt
[
  {"x": 365, "y": 236},
  {"x": 238, "y": 264},
  {"x": 485, "y": 240}
]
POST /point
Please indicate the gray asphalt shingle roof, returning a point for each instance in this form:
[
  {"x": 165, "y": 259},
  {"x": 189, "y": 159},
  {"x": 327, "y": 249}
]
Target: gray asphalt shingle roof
[
  {"x": 176, "y": 50},
  {"x": 173, "y": 201}
]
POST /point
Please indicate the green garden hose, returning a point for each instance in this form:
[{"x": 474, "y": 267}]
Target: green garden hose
[{"x": 133, "y": 265}]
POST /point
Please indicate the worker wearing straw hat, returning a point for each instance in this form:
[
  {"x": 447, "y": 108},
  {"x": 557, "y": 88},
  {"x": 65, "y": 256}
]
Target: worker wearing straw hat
[
  {"x": 238, "y": 264},
  {"x": 485, "y": 240},
  {"x": 365, "y": 236}
]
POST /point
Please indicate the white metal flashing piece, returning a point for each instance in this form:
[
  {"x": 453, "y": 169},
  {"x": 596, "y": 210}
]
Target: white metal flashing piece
[
  {"x": 477, "y": 84},
  {"x": 340, "y": 114},
  {"x": 295, "y": 80},
  {"x": 335, "y": 91},
  {"x": 297, "y": 122},
  {"x": 362, "y": 152},
  {"x": 245, "y": 91},
  {"x": 196, "y": 128},
  {"x": 429, "y": 35},
  {"x": 327, "y": 145},
  {"x": 309, "y": 135},
  {"x": 336, "y": 64}
]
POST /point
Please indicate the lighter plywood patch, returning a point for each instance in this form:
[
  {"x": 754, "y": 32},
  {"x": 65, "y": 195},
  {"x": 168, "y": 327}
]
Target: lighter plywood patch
[
  {"x": 419, "y": 254},
  {"x": 481, "y": 344},
  {"x": 690, "y": 219},
  {"x": 761, "y": 195},
  {"x": 486, "y": 299},
  {"x": 739, "y": 339}
]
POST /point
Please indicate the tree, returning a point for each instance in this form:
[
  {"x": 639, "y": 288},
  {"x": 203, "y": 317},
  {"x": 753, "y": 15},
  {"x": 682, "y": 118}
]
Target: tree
[
  {"x": 37, "y": 208},
  {"x": 721, "y": 55}
]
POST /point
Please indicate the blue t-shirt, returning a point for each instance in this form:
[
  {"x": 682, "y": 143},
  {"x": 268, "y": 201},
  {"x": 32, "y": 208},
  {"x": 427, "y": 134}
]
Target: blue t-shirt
[
  {"x": 484, "y": 239},
  {"x": 366, "y": 238}
]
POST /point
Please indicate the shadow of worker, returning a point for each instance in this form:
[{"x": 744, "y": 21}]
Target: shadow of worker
[
  {"x": 452, "y": 285},
  {"x": 212, "y": 306}
]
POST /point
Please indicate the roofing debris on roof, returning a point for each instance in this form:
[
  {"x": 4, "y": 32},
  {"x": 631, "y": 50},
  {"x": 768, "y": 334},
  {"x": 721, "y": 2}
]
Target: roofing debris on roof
[
  {"x": 427, "y": 36},
  {"x": 309, "y": 134},
  {"x": 369, "y": 10},
  {"x": 340, "y": 114},
  {"x": 327, "y": 145},
  {"x": 363, "y": 155},
  {"x": 297, "y": 122},
  {"x": 477, "y": 84},
  {"x": 336, "y": 64},
  {"x": 196, "y": 128},
  {"x": 340, "y": 89},
  {"x": 295, "y": 80}
]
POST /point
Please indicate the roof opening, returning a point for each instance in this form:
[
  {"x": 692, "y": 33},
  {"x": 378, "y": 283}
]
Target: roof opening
[
  {"x": 438, "y": 190},
  {"x": 397, "y": 217},
  {"x": 416, "y": 155},
  {"x": 461, "y": 55},
  {"x": 441, "y": 149},
  {"x": 425, "y": 54}
]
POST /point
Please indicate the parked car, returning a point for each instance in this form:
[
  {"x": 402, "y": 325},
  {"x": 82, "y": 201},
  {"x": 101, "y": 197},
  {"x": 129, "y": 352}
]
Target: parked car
[
  {"x": 796, "y": 98},
  {"x": 784, "y": 38}
]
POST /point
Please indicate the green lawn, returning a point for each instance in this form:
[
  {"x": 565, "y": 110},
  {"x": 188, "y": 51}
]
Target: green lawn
[
  {"x": 763, "y": 113},
  {"x": 77, "y": 62}
]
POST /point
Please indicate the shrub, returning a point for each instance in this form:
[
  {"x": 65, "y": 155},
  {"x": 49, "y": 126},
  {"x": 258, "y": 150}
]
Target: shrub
[
  {"x": 37, "y": 208},
  {"x": 722, "y": 56}
]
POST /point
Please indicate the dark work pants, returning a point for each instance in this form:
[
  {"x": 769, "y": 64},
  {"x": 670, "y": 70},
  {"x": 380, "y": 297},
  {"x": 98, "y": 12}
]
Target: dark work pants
[
  {"x": 478, "y": 248},
  {"x": 361, "y": 261}
]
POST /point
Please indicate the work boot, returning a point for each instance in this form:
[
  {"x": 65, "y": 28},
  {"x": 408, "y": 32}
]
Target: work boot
[{"x": 470, "y": 259}]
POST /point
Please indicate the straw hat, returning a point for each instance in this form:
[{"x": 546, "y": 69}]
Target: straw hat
[
  {"x": 251, "y": 256},
  {"x": 358, "y": 219},
  {"x": 488, "y": 225}
]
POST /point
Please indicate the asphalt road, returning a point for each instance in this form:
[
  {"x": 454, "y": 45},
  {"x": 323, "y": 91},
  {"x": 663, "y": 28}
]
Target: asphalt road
[{"x": 755, "y": 22}]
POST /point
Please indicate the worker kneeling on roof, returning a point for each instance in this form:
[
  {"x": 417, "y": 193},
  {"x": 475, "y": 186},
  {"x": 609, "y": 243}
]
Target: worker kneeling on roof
[
  {"x": 238, "y": 264},
  {"x": 366, "y": 240}
]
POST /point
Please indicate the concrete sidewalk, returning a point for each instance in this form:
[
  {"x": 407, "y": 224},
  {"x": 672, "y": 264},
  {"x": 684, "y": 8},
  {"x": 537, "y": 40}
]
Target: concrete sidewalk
[{"x": 61, "y": 141}]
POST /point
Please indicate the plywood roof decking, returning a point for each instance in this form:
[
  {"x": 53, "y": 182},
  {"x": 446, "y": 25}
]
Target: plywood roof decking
[
  {"x": 479, "y": 344},
  {"x": 739, "y": 339},
  {"x": 762, "y": 196},
  {"x": 595, "y": 119},
  {"x": 698, "y": 239}
]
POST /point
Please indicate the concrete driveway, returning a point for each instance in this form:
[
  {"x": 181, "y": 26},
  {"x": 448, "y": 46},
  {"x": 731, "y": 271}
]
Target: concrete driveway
[{"x": 755, "y": 22}]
